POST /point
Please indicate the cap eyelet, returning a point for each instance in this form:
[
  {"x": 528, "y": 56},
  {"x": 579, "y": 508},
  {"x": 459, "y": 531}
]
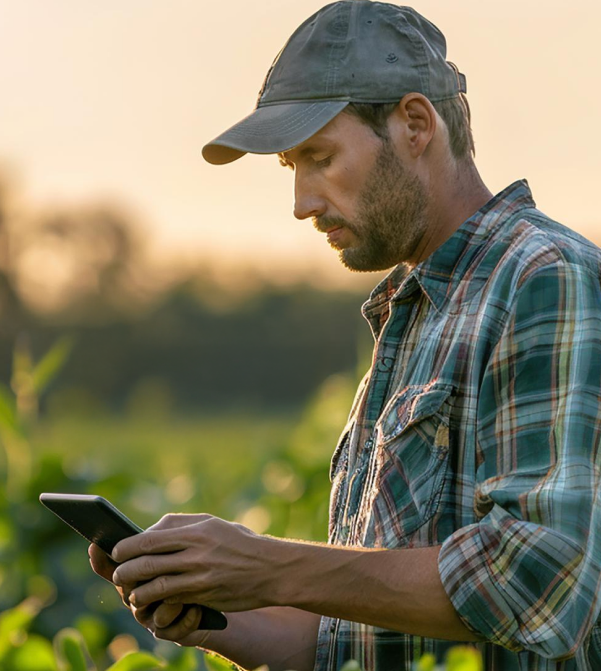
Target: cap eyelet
[{"x": 392, "y": 58}]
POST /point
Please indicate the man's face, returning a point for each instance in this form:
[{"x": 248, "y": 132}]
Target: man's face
[{"x": 357, "y": 190}]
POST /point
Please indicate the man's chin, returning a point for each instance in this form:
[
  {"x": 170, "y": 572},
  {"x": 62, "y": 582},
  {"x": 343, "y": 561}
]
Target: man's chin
[{"x": 358, "y": 263}]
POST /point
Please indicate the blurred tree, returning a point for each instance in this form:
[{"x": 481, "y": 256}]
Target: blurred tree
[
  {"x": 212, "y": 340},
  {"x": 11, "y": 307},
  {"x": 86, "y": 264}
]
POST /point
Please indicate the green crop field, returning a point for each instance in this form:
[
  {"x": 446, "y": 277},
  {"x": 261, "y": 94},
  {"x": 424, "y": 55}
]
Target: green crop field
[{"x": 268, "y": 472}]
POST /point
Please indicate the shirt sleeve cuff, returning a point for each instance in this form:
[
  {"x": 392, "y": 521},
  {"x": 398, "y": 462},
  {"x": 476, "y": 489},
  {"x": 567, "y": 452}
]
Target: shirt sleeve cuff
[{"x": 469, "y": 585}]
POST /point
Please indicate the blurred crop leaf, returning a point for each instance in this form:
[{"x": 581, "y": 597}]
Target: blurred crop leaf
[
  {"x": 70, "y": 650},
  {"x": 137, "y": 661},
  {"x": 351, "y": 665},
  {"x": 94, "y": 632},
  {"x": 184, "y": 659},
  {"x": 51, "y": 363},
  {"x": 7, "y": 534},
  {"x": 15, "y": 622},
  {"x": 8, "y": 410},
  {"x": 22, "y": 360},
  {"x": 426, "y": 663},
  {"x": 217, "y": 663},
  {"x": 42, "y": 588},
  {"x": 36, "y": 654},
  {"x": 464, "y": 658}
]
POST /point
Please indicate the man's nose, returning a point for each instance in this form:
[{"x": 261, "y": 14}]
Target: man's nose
[{"x": 307, "y": 203}]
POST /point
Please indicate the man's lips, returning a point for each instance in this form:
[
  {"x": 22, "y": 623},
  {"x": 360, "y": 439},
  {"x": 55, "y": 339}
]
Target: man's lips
[{"x": 334, "y": 234}]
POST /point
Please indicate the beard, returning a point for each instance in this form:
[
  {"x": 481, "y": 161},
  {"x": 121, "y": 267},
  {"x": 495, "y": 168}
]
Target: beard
[{"x": 391, "y": 219}]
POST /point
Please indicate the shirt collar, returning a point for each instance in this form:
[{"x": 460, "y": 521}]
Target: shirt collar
[{"x": 441, "y": 274}]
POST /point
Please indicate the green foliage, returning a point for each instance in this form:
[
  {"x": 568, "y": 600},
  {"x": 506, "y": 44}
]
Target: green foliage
[
  {"x": 36, "y": 654},
  {"x": 217, "y": 663},
  {"x": 8, "y": 411},
  {"x": 14, "y": 624},
  {"x": 464, "y": 658},
  {"x": 179, "y": 659},
  {"x": 51, "y": 363},
  {"x": 268, "y": 472},
  {"x": 426, "y": 663},
  {"x": 351, "y": 665},
  {"x": 69, "y": 648},
  {"x": 137, "y": 661}
]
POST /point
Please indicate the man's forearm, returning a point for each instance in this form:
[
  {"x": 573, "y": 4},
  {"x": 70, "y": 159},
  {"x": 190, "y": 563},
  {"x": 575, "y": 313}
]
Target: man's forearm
[
  {"x": 282, "y": 638},
  {"x": 393, "y": 589}
]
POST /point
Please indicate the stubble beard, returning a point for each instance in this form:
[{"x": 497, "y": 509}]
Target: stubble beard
[{"x": 391, "y": 219}]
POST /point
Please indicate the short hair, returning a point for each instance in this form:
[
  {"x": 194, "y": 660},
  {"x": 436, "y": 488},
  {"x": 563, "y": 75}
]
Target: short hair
[{"x": 455, "y": 112}]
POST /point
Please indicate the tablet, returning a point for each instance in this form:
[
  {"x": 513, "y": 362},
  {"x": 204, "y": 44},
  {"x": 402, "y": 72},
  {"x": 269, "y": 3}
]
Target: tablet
[
  {"x": 98, "y": 521},
  {"x": 93, "y": 517}
]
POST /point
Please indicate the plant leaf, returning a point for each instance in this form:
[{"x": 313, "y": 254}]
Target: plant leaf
[
  {"x": 70, "y": 650},
  {"x": 8, "y": 410},
  {"x": 186, "y": 660},
  {"x": 137, "y": 661},
  {"x": 351, "y": 665},
  {"x": 426, "y": 662},
  {"x": 51, "y": 363},
  {"x": 464, "y": 658},
  {"x": 36, "y": 654},
  {"x": 217, "y": 663},
  {"x": 15, "y": 621}
]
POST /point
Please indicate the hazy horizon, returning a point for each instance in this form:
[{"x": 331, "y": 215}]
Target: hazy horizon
[{"x": 114, "y": 101}]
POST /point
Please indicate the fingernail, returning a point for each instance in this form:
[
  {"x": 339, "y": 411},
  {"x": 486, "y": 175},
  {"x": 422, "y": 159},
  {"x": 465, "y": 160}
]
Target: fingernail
[{"x": 132, "y": 598}]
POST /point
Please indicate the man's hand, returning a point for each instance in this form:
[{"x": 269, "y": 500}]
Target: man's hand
[
  {"x": 155, "y": 617},
  {"x": 198, "y": 559},
  {"x": 239, "y": 567}
]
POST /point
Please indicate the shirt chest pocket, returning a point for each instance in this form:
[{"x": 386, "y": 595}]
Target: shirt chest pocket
[{"x": 409, "y": 466}]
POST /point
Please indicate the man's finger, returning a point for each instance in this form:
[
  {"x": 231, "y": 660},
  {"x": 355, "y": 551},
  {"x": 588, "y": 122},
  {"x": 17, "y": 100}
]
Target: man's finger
[
  {"x": 101, "y": 563},
  {"x": 187, "y": 624},
  {"x": 145, "y": 615},
  {"x": 176, "y": 520},
  {"x": 163, "y": 587},
  {"x": 145, "y": 568},
  {"x": 166, "y": 614},
  {"x": 150, "y": 542}
]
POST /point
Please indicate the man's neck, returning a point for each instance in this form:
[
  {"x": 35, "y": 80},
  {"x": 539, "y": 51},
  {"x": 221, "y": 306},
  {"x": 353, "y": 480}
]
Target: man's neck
[{"x": 453, "y": 198}]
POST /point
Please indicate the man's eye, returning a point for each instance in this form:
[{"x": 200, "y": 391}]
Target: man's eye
[{"x": 324, "y": 162}]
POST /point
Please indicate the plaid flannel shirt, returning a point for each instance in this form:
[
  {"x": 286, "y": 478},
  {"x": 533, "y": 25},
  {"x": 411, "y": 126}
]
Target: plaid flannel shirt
[{"x": 478, "y": 428}]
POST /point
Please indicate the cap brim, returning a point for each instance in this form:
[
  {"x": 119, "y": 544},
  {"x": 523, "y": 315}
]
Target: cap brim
[{"x": 271, "y": 129}]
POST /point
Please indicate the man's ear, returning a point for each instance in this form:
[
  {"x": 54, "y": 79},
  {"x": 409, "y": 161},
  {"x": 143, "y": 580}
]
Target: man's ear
[{"x": 412, "y": 125}]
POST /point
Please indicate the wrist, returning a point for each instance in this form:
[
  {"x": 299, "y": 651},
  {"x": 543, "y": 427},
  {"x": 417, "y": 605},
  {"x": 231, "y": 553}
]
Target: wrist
[{"x": 296, "y": 577}]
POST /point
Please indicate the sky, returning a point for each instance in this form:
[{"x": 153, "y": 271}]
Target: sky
[{"x": 113, "y": 101}]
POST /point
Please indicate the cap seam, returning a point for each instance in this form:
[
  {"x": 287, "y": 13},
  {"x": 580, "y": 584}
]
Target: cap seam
[
  {"x": 351, "y": 99},
  {"x": 416, "y": 40}
]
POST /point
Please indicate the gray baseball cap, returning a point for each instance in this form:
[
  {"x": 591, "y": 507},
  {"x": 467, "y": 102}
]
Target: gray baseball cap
[{"x": 349, "y": 51}]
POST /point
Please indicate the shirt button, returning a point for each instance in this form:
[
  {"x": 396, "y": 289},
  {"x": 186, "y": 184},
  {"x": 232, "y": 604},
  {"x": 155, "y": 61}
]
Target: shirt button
[{"x": 385, "y": 364}]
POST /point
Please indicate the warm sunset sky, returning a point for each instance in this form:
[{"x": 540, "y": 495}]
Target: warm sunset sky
[{"x": 115, "y": 98}]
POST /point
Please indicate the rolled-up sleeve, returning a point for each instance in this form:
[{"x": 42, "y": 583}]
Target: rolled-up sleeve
[{"x": 527, "y": 574}]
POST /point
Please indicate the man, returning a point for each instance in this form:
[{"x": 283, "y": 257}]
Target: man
[{"x": 465, "y": 485}]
